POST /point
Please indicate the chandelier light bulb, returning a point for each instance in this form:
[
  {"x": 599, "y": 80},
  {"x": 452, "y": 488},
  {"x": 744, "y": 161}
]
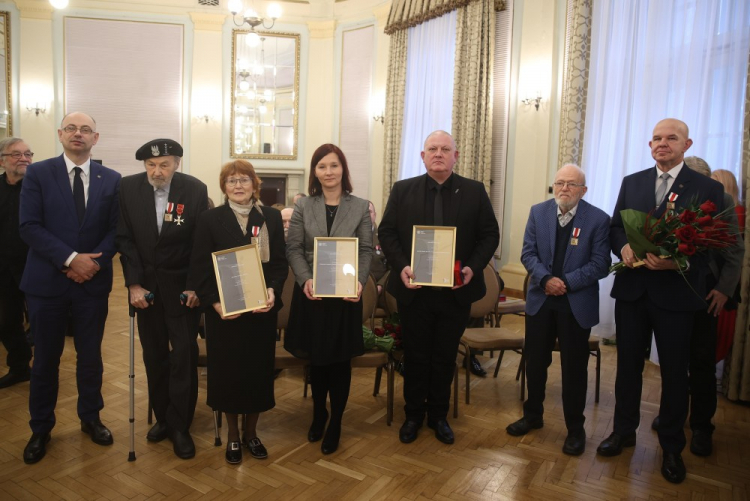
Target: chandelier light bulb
[
  {"x": 250, "y": 14},
  {"x": 59, "y": 4},
  {"x": 274, "y": 11},
  {"x": 268, "y": 94},
  {"x": 235, "y": 6},
  {"x": 244, "y": 85},
  {"x": 262, "y": 108},
  {"x": 252, "y": 39}
]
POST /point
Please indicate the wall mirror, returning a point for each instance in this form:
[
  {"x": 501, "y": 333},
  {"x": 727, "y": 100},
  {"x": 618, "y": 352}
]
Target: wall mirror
[
  {"x": 265, "y": 95},
  {"x": 6, "y": 122}
]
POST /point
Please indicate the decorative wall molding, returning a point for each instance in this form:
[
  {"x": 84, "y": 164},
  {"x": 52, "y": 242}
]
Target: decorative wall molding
[
  {"x": 35, "y": 10},
  {"x": 321, "y": 29},
  {"x": 208, "y": 22}
]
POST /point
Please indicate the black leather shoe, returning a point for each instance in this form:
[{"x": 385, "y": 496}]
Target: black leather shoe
[
  {"x": 317, "y": 428},
  {"x": 655, "y": 424},
  {"x": 331, "y": 440},
  {"x": 182, "y": 443},
  {"x": 234, "y": 453},
  {"x": 613, "y": 444},
  {"x": 443, "y": 431},
  {"x": 476, "y": 368},
  {"x": 702, "y": 443},
  {"x": 12, "y": 378},
  {"x": 672, "y": 467},
  {"x": 575, "y": 443},
  {"x": 100, "y": 434},
  {"x": 408, "y": 432},
  {"x": 158, "y": 432},
  {"x": 36, "y": 448},
  {"x": 523, "y": 426},
  {"x": 256, "y": 448}
]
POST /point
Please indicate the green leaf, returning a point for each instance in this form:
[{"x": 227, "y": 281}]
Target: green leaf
[{"x": 633, "y": 222}]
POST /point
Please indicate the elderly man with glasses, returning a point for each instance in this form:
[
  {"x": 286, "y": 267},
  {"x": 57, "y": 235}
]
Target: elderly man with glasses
[
  {"x": 159, "y": 211},
  {"x": 15, "y": 156},
  {"x": 566, "y": 253},
  {"x": 68, "y": 217}
]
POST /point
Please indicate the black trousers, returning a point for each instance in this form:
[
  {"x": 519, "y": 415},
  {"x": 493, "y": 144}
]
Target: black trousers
[
  {"x": 702, "y": 377},
  {"x": 672, "y": 331},
  {"x": 432, "y": 327},
  {"x": 172, "y": 374},
  {"x": 49, "y": 317},
  {"x": 542, "y": 329},
  {"x": 11, "y": 325}
]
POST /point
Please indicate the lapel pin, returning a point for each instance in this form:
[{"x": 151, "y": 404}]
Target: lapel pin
[{"x": 99, "y": 176}]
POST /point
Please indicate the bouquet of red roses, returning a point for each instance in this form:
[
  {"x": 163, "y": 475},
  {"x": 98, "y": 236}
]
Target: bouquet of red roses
[{"x": 677, "y": 235}]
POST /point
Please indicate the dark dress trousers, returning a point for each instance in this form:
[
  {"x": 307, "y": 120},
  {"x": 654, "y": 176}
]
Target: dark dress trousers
[
  {"x": 49, "y": 225},
  {"x": 159, "y": 262},
  {"x": 434, "y": 318},
  {"x": 662, "y": 301},
  {"x": 12, "y": 261},
  {"x": 548, "y": 250},
  {"x": 241, "y": 352}
]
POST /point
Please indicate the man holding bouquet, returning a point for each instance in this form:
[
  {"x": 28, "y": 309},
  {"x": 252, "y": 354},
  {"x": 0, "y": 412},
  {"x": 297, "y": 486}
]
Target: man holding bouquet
[{"x": 655, "y": 293}]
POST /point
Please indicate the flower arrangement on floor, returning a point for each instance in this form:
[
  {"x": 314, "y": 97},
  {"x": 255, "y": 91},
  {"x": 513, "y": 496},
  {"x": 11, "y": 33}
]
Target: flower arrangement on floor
[{"x": 677, "y": 235}]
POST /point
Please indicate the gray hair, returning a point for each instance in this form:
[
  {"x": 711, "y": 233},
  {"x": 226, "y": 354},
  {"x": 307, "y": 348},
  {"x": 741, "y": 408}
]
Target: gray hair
[
  {"x": 698, "y": 165},
  {"x": 8, "y": 142},
  {"x": 580, "y": 171}
]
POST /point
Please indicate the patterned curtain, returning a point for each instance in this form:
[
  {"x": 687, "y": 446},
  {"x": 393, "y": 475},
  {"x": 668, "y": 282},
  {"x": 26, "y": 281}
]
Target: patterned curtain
[
  {"x": 737, "y": 383},
  {"x": 472, "y": 90},
  {"x": 405, "y": 14},
  {"x": 395, "y": 90},
  {"x": 575, "y": 81}
]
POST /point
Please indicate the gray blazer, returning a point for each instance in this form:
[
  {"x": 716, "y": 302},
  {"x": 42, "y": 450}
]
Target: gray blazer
[{"x": 309, "y": 221}]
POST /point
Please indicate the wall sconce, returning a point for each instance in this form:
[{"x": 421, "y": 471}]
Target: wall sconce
[
  {"x": 206, "y": 106},
  {"x": 377, "y": 107},
  {"x": 535, "y": 101},
  {"x": 379, "y": 118},
  {"x": 251, "y": 17},
  {"x": 204, "y": 118},
  {"x": 36, "y": 107},
  {"x": 59, "y": 4}
]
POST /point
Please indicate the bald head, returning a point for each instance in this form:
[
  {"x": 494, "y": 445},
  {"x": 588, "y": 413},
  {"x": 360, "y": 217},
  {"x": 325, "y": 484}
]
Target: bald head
[
  {"x": 669, "y": 143},
  {"x": 569, "y": 187},
  {"x": 439, "y": 155}
]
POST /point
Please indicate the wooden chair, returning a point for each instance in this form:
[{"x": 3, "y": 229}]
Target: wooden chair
[{"x": 490, "y": 338}]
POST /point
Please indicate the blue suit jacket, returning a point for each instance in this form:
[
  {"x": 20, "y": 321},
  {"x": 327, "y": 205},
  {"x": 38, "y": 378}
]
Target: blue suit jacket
[
  {"x": 49, "y": 225},
  {"x": 667, "y": 289},
  {"x": 585, "y": 264}
]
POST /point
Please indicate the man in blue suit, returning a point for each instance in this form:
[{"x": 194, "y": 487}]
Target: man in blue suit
[
  {"x": 658, "y": 297},
  {"x": 68, "y": 217},
  {"x": 566, "y": 253}
]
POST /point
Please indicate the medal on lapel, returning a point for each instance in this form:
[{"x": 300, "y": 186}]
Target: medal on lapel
[
  {"x": 255, "y": 231},
  {"x": 575, "y": 235},
  {"x": 168, "y": 212},
  {"x": 671, "y": 200},
  {"x": 180, "y": 210}
]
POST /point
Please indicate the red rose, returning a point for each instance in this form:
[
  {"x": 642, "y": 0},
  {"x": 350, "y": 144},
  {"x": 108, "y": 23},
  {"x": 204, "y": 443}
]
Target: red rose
[
  {"x": 398, "y": 329},
  {"x": 388, "y": 327},
  {"x": 708, "y": 207},
  {"x": 688, "y": 216},
  {"x": 705, "y": 221},
  {"x": 379, "y": 332},
  {"x": 687, "y": 249},
  {"x": 686, "y": 234}
]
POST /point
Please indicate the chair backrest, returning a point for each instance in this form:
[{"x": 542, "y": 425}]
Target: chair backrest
[
  {"x": 369, "y": 301},
  {"x": 487, "y": 304},
  {"x": 286, "y": 297}
]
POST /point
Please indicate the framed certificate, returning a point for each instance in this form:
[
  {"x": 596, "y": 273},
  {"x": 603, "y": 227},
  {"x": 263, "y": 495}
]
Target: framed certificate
[
  {"x": 433, "y": 254},
  {"x": 239, "y": 277},
  {"x": 335, "y": 265}
]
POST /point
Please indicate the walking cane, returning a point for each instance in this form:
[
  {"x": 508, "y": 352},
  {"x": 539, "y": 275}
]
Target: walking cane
[{"x": 131, "y": 311}]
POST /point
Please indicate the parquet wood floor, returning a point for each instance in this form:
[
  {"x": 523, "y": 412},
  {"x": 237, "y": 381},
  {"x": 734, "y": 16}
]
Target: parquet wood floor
[{"x": 371, "y": 463}]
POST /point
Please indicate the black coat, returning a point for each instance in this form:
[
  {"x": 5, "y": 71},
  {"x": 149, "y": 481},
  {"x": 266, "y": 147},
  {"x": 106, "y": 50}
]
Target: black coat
[{"x": 159, "y": 262}]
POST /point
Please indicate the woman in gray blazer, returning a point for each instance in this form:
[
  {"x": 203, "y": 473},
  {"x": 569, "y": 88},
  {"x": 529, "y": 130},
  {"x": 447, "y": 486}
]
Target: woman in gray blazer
[{"x": 327, "y": 331}]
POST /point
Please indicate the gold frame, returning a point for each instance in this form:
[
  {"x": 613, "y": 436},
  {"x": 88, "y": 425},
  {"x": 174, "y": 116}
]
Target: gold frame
[
  {"x": 250, "y": 285},
  {"x": 346, "y": 261},
  {"x": 8, "y": 81},
  {"x": 438, "y": 230},
  {"x": 270, "y": 156}
]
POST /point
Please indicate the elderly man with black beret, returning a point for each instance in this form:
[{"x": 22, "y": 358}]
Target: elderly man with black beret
[{"x": 159, "y": 210}]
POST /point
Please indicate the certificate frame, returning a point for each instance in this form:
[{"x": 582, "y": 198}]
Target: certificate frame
[
  {"x": 335, "y": 267},
  {"x": 433, "y": 255},
  {"x": 240, "y": 280}
]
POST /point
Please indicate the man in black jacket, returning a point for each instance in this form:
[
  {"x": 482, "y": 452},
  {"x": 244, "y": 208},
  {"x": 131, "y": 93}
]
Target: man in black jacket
[
  {"x": 158, "y": 216},
  {"x": 16, "y": 156},
  {"x": 433, "y": 318}
]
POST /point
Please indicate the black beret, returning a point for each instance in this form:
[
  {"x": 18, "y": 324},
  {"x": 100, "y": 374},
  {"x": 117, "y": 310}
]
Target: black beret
[{"x": 159, "y": 148}]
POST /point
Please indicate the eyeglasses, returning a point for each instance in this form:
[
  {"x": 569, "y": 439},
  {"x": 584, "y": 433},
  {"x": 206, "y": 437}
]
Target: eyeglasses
[
  {"x": 244, "y": 181},
  {"x": 85, "y": 129},
  {"x": 16, "y": 155},
  {"x": 563, "y": 184}
]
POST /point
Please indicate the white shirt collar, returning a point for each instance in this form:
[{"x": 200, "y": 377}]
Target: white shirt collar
[
  {"x": 673, "y": 172},
  {"x": 70, "y": 165}
]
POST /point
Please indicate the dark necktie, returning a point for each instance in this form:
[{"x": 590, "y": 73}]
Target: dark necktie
[
  {"x": 79, "y": 199},
  {"x": 438, "y": 211}
]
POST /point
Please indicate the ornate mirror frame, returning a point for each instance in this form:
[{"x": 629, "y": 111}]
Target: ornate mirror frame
[
  {"x": 6, "y": 115},
  {"x": 265, "y": 95}
]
